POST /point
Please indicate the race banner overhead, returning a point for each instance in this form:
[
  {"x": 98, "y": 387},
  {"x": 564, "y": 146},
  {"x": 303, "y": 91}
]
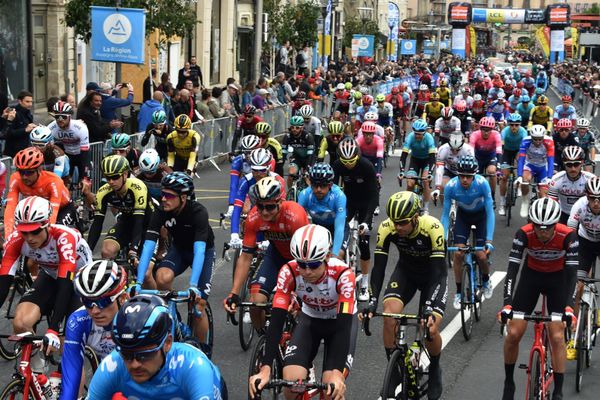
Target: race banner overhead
[{"x": 459, "y": 14}]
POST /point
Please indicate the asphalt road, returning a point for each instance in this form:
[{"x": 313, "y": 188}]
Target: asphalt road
[{"x": 472, "y": 370}]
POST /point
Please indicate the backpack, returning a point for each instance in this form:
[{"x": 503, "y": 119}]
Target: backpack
[{"x": 299, "y": 59}]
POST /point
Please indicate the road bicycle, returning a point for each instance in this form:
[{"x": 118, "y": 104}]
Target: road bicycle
[
  {"x": 587, "y": 328},
  {"x": 298, "y": 182},
  {"x": 352, "y": 253},
  {"x": 419, "y": 182},
  {"x": 405, "y": 375},
  {"x": 511, "y": 191},
  {"x": 182, "y": 329},
  {"x": 304, "y": 390}
]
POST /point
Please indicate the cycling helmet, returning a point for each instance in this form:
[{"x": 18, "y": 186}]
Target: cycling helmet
[
  {"x": 340, "y": 86},
  {"x": 403, "y": 206},
  {"x": 179, "y": 182},
  {"x": 501, "y": 96},
  {"x": 368, "y": 127},
  {"x": 447, "y": 112},
  {"x": 297, "y": 120},
  {"x": 566, "y": 99},
  {"x": 159, "y": 117},
  {"x": 395, "y": 90},
  {"x": 100, "y": 279},
  {"x": 29, "y": 158},
  {"x": 443, "y": 82},
  {"x": 348, "y": 85},
  {"x": 348, "y": 150},
  {"x": 419, "y": 125},
  {"x": 321, "y": 173},
  {"x": 306, "y": 111},
  {"x": 41, "y": 135},
  {"x": 143, "y": 321},
  {"x": 266, "y": 189},
  {"x": 538, "y": 91},
  {"x": 371, "y": 116},
  {"x": 544, "y": 212},
  {"x": 487, "y": 122},
  {"x": 380, "y": 98},
  {"x": 460, "y": 106},
  {"x": 263, "y": 129},
  {"x": 563, "y": 123},
  {"x": 467, "y": 165},
  {"x": 583, "y": 123},
  {"x": 260, "y": 159},
  {"x": 525, "y": 98},
  {"x": 467, "y": 89},
  {"x": 249, "y": 143},
  {"x": 542, "y": 100},
  {"x": 497, "y": 83},
  {"x": 514, "y": 118},
  {"x": 573, "y": 153},
  {"x": 423, "y": 87},
  {"x": 456, "y": 141},
  {"x": 310, "y": 244},
  {"x": 114, "y": 165},
  {"x": 357, "y": 95},
  {"x": 434, "y": 97},
  {"x": 335, "y": 128},
  {"x": 592, "y": 187},
  {"x": 62, "y": 107},
  {"x": 537, "y": 131},
  {"x": 149, "y": 161},
  {"x": 300, "y": 96},
  {"x": 32, "y": 213},
  {"x": 364, "y": 90},
  {"x": 183, "y": 122},
  {"x": 517, "y": 92},
  {"x": 120, "y": 141},
  {"x": 251, "y": 110},
  {"x": 367, "y": 100}
]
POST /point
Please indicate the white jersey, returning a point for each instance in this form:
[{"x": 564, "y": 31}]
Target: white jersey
[
  {"x": 75, "y": 138},
  {"x": 586, "y": 222},
  {"x": 469, "y": 100},
  {"x": 447, "y": 158},
  {"x": 445, "y": 128},
  {"x": 386, "y": 109},
  {"x": 567, "y": 191},
  {"x": 313, "y": 126}
]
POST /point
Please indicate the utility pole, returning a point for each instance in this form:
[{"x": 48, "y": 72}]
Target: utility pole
[
  {"x": 258, "y": 33},
  {"x": 118, "y": 65}
]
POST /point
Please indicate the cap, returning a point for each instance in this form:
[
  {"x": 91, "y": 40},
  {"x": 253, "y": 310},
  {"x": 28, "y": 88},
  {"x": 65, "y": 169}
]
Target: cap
[
  {"x": 106, "y": 86},
  {"x": 263, "y": 91},
  {"x": 92, "y": 86},
  {"x": 232, "y": 86},
  {"x": 29, "y": 227}
]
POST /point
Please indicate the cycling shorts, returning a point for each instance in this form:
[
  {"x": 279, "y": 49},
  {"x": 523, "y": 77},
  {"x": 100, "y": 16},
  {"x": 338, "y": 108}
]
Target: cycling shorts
[
  {"x": 180, "y": 164},
  {"x": 265, "y": 279},
  {"x": 360, "y": 211},
  {"x": 449, "y": 174},
  {"x": 486, "y": 162},
  {"x": 538, "y": 173},
  {"x": 533, "y": 283},
  {"x": 418, "y": 164},
  {"x": 178, "y": 261},
  {"x": 43, "y": 294},
  {"x": 68, "y": 216},
  {"x": 122, "y": 232},
  {"x": 509, "y": 156},
  {"x": 463, "y": 223},
  {"x": 588, "y": 252}
]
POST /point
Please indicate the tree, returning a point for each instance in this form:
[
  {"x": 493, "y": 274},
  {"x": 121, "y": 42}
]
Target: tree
[
  {"x": 355, "y": 26},
  {"x": 171, "y": 17},
  {"x": 298, "y": 23},
  {"x": 593, "y": 10}
]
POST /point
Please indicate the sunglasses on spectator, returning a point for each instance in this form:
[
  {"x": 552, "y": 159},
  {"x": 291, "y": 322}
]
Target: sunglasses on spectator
[
  {"x": 309, "y": 265},
  {"x": 572, "y": 164},
  {"x": 268, "y": 207},
  {"x": 27, "y": 172}
]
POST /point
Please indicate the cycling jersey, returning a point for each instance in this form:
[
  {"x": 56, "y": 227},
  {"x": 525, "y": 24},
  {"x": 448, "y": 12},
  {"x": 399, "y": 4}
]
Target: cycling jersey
[
  {"x": 274, "y": 147},
  {"x": 567, "y": 191},
  {"x": 513, "y": 102},
  {"x": 75, "y": 138},
  {"x": 329, "y": 212},
  {"x": 160, "y": 138},
  {"x": 525, "y": 111},
  {"x": 187, "y": 373},
  {"x": 486, "y": 149},
  {"x": 55, "y": 160},
  {"x": 447, "y": 159},
  {"x": 360, "y": 182},
  {"x": 245, "y": 126},
  {"x": 372, "y": 151},
  {"x": 469, "y": 100},
  {"x": 313, "y": 126},
  {"x": 379, "y": 131},
  {"x": 422, "y": 99},
  {"x": 494, "y": 92},
  {"x": 361, "y": 111},
  {"x": 444, "y": 96},
  {"x": 569, "y": 113},
  {"x": 239, "y": 166},
  {"x": 584, "y": 220},
  {"x": 424, "y": 148},
  {"x": 586, "y": 142},
  {"x": 154, "y": 183},
  {"x": 183, "y": 148},
  {"x": 48, "y": 185},
  {"x": 385, "y": 114},
  {"x": 447, "y": 127},
  {"x": 81, "y": 331},
  {"x": 529, "y": 84},
  {"x": 341, "y": 100},
  {"x": 478, "y": 110},
  {"x": 536, "y": 155},
  {"x": 542, "y": 81},
  {"x": 512, "y": 141},
  {"x": 539, "y": 116},
  {"x": 560, "y": 143},
  {"x": 498, "y": 110},
  {"x": 432, "y": 112},
  {"x": 301, "y": 146},
  {"x": 328, "y": 146}
]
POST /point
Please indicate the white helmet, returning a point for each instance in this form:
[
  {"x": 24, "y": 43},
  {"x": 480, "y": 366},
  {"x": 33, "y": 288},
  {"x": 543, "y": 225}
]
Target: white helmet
[
  {"x": 32, "y": 213},
  {"x": 311, "y": 243},
  {"x": 249, "y": 143},
  {"x": 592, "y": 187},
  {"x": 544, "y": 212},
  {"x": 149, "y": 161},
  {"x": 477, "y": 97},
  {"x": 371, "y": 116},
  {"x": 583, "y": 123},
  {"x": 100, "y": 279},
  {"x": 456, "y": 141},
  {"x": 41, "y": 135},
  {"x": 340, "y": 86},
  {"x": 501, "y": 95},
  {"x": 423, "y": 87},
  {"x": 537, "y": 131},
  {"x": 260, "y": 159},
  {"x": 306, "y": 111}
]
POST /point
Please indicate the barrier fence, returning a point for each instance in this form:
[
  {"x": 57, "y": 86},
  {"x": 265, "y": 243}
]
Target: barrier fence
[{"x": 584, "y": 104}]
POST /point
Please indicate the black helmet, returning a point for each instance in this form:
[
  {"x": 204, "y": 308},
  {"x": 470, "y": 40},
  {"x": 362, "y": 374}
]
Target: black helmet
[
  {"x": 321, "y": 173},
  {"x": 178, "y": 182},
  {"x": 467, "y": 165}
]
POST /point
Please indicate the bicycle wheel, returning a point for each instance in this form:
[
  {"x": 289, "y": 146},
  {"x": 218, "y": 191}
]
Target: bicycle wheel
[
  {"x": 509, "y": 199},
  {"x": 90, "y": 365},
  {"x": 14, "y": 391},
  {"x": 534, "y": 379},
  {"x": 581, "y": 344},
  {"x": 478, "y": 292},
  {"x": 209, "y": 339},
  {"x": 395, "y": 382},
  {"x": 467, "y": 302},
  {"x": 245, "y": 329},
  {"x": 255, "y": 363}
]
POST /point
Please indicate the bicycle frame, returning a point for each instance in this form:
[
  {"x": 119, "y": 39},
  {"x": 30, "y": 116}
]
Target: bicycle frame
[
  {"x": 468, "y": 252},
  {"x": 173, "y": 297},
  {"x": 31, "y": 385}
]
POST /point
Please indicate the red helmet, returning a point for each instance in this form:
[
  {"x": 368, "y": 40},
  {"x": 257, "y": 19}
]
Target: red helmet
[
  {"x": 520, "y": 85},
  {"x": 517, "y": 92},
  {"x": 367, "y": 100},
  {"x": 487, "y": 122},
  {"x": 566, "y": 99},
  {"x": 564, "y": 123},
  {"x": 460, "y": 105},
  {"x": 395, "y": 90},
  {"x": 368, "y": 127},
  {"x": 497, "y": 83}
]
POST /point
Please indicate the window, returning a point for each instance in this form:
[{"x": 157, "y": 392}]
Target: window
[{"x": 14, "y": 53}]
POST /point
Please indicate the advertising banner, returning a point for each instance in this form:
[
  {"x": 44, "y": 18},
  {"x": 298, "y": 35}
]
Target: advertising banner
[
  {"x": 393, "y": 21},
  {"x": 459, "y": 14},
  {"x": 473, "y": 41},
  {"x": 459, "y": 42},
  {"x": 535, "y": 16},
  {"x": 557, "y": 40},
  {"x": 509, "y": 16},
  {"x": 542, "y": 40},
  {"x": 365, "y": 44},
  {"x": 118, "y": 35},
  {"x": 408, "y": 47},
  {"x": 558, "y": 15}
]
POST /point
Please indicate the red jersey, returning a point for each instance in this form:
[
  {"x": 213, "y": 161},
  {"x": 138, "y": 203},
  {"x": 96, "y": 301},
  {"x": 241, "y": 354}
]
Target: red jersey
[
  {"x": 423, "y": 98},
  {"x": 331, "y": 295},
  {"x": 395, "y": 100},
  {"x": 248, "y": 125},
  {"x": 279, "y": 233}
]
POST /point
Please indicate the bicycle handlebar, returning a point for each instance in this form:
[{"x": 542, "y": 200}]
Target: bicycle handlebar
[
  {"x": 554, "y": 317},
  {"x": 403, "y": 318},
  {"x": 466, "y": 249},
  {"x": 296, "y": 386}
]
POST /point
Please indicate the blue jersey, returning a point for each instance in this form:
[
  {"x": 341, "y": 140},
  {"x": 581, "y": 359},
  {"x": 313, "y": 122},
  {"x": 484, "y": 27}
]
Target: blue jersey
[
  {"x": 477, "y": 198},
  {"x": 512, "y": 141},
  {"x": 498, "y": 110},
  {"x": 238, "y": 201},
  {"x": 561, "y": 112},
  {"x": 329, "y": 212},
  {"x": 186, "y": 374},
  {"x": 239, "y": 166},
  {"x": 525, "y": 111},
  {"x": 362, "y": 110},
  {"x": 419, "y": 148},
  {"x": 81, "y": 331}
]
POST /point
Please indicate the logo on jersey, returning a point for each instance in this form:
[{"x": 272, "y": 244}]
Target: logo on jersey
[
  {"x": 346, "y": 286},
  {"x": 66, "y": 248}
]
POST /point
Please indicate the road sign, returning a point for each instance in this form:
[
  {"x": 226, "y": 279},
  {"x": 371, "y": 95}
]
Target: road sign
[{"x": 118, "y": 35}]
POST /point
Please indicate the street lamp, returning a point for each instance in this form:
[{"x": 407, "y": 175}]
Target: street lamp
[
  {"x": 324, "y": 15},
  {"x": 365, "y": 13}
]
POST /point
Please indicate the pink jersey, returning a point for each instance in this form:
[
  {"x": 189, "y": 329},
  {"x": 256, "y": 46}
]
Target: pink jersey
[
  {"x": 373, "y": 149},
  {"x": 486, "y": 147}
]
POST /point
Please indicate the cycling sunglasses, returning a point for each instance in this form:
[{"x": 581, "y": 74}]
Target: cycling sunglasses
[
  {"x": 268, "y": 207},
  {"x": 61, "y": 117},
  {"x": 348, "y": 162},
  {"x": 572, "y": 164},
  {"x": 309, "y": 265},
  {"x": 592, "y": 199},
  {"x": 320, "y": 184},
  {"x": 112, "y": 177},
  {"x": 101, "y": 303},
  {"x": 27, "y": 172},
  {"x": 143, "y": 355},
  {"x": 403, "y": 222},
  {"x": 544, "y": 227},
  {"x": 168, "y": 196},
  {"x": 515, "y": 124}
]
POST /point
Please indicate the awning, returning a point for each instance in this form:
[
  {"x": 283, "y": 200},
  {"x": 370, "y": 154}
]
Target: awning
[{"x": 584, "y": 17}]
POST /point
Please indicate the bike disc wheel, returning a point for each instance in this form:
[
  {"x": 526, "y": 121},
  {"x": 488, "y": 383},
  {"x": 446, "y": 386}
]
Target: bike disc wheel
[
  {"x": 14, "y": 391},
  {"x": 245, "y": 329},
  {"x": 581, "y": 345},
  {"x": 255, "y": 363},
  {"x": 395, "y": 376},
  {"x": 467, "y": 303},
  {"x": 534, "y": 379}
]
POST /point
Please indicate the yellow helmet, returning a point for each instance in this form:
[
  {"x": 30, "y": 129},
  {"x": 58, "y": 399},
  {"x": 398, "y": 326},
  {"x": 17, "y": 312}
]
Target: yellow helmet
[
  {"x": 114, "y": 165},
  {"x": 402, "y": 206},
  {"x": 183, "y": 122}
]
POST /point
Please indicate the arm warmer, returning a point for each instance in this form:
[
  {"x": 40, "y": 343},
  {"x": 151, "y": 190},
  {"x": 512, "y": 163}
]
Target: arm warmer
[
  {"x": 95, "y": 231},
  {"x": 274, "y": 330},
  {"x": 198, "y": 263},
  {"x": 146, "y": 256}
]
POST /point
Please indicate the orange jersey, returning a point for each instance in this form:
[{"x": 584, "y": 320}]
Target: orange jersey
[{"x": 49, "y": 186}]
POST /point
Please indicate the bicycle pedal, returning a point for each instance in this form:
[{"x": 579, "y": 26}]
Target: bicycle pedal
[{"x": 522, "y": 366}]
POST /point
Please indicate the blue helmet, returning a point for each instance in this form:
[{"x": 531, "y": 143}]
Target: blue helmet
[
  {"x": 467, "y": 165},
  {"x": 143, "y": 320},
  {"x": 179, "y": 182},
  {"x": 321, "y": 173},
  {"x": 515, "y": 117},
  {"x": 539, "y": 91},
  {"x": 525, "y": 98},
  {"x": 419, "y": 125}
]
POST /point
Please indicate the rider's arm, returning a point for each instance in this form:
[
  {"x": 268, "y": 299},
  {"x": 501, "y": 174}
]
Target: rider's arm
[
  {"x": 152, "y": 234},
  {"x": 438, "y": 284},
  {"x": 405, "y": 151},
  {"x": 384, "y": 237},
  {"x": 531, "y": 114},
  {"x": 66, "y": 243},
  {"x": 108, "y": 378},
  {"x": 286, "y": 284},
  {"x": 99, "y": 214},
  {"x": 310, "y": 149},
  {"x": 489, "y": 210},
  {"x": 193, "y": 154},
  {"x": 519, "y": 245},
  {"x": 84, "y": 146},
  {"x": 346, "y": 287},
  {"x": 10, "y": 261},
  {"x": 550, "y": 156},
  {"x": 525, "y": 143},
  {"x": 59, "y": 165},
  {"x": 77, "y": 329},
  {"x": 549, "y": 123},
  {"x": 380, "y": 150},
  {"x": 448, "y": 196},
  {"x": 234, "y": 177},
  {"x": 201, "y": 237},
  {"x": 238, "y": 204},
  {"x": 170, "y": 151},
  {"x": 55, "y": 198},
  {"x": 12, "y": 198},
  {"x": 339, "y": 223},
  {"x": 322, "y": 150}
]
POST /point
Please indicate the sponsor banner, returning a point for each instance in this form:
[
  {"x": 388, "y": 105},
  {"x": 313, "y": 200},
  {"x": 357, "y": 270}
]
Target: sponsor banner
[
  {"x": 365, "y": 44},
  {"x": 408, "y": 47},
  {"x": 535, "y": 16},
  {"x": 459, "y": 14},
  {"x": 505, "y": 16},
  {"x": 558, "y": 15},
  {"x": 118, "y": 35}
]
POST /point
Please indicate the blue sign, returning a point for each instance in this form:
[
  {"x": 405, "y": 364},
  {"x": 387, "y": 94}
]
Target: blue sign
[
  {"x": 408, "y": 47},
  {"x": 479, "y": 15},
  {"x": 118, "y": 35},
  {"x": 366, "y": 45},
  {"x": 428, "y": 47}
]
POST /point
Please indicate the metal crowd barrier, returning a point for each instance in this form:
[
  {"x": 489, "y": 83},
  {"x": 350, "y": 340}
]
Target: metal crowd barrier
[{"x": 586, "y": 107}]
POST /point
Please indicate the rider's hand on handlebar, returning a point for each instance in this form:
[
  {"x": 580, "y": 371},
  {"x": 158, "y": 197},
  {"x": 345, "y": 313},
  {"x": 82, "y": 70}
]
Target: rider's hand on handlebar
[
  {"x": 505, "y": 314},
  {"x": 231, "y": 302},
  {"x": 435, "y": 194},
  {"x": 235, "y": 242},
  {"x": 363, "y": 229},
  {"x": 229, "y": 211},
  {"x": 52, "y": 341},
  {"x": 262, "y": 378}
]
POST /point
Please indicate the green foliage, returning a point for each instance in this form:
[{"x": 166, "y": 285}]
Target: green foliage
[
  {"x": 172, "y": 17},
  {"x": 593, "y": 10},
  {"x": 355, "y": 26},
  {"x": 298, "y": 23}
]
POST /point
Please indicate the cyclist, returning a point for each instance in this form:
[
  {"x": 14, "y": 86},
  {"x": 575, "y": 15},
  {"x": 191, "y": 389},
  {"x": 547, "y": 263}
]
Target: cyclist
[
  {"x": 524, "y": 109},
  {"x": 568, "y": 186},
  {"x": 354, "y": 104},
  {"x": 300, "y": 101},
  {"x": 447, "y": 162},
  {"x": 550, "y": 267},
  {"x": 487, "y": 144},
  {"x": 496, "y": 91},
  {"x": 372, "y": 148},
  {"x": 528, "y": 83},
  {"x": 541, "y": 114},
  {"x": 246, "y": 125},
  {"x": 277, "y": 220},
  {"x": 478, "y": 110},
  {"x": 423, "y": 97},
  {"x": 498, "y": 109},
  {"x": 541, "y": 81},
  {"x": 463, "y": 114},
  {"x": 474, "y": 206},
  {"x": 128, "y": 195},
  {"x": 263, "y": 131},
  {"x": 587, "y": 142},
  {"x": 240, "y": 167},
  {"x": 421, "y": 266},
  {"x": 512, "y": 136},
  {"x": 147, "y": 363},
  {"x": 360, "y": 186},
  {"x": 55, "y": 159},
  {"x": 400, "y": 111},
  {"x": 326, "y": 287},
  {"x": 330, "y": 143},
  {"x": 312, "y": 124},
  {"x": 536, "y": 160},
  {"x": 159, "y": 129},
  {"x": 536, "y": 95},
  {"x": 421, "y": 146},
  {"x": 563, "y": 137},
  {"x": 341, "y": 99},
  {"x": 59, "y": 251},
  {"x": 31, "y": 180},
  {"x": 385, "y": 112},
  {"x": 444, "y": 93},
  {"x": 74, "y": 136},
  {"x": 299, "y": 145},
  {"x": 514, "y": 100},
  {"x": 121, "y": 145},
  {"x": 192, "y": 244},
  {"x": 565, "y": 110},
  {"x": 100, "y": 286},
  {"x": 379, "y": 130},
  {"x": 433, "y": 109},
  {"x": 362, "y": 111},
  {"x": 182, "y": 145},
  {"x": 152, "y": 171},
  {"x": 446, "y": 125},
  {"x": 466, "y": 96}
]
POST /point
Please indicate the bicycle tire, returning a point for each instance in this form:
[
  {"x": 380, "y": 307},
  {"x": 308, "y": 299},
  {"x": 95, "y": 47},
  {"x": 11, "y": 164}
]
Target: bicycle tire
[
  {"x": 15, "y": 387},
  {"x": 255, "y": 363},
  {"x": 10, "y": 350},
  {"x": 478, "y": 292},
  {"x": 534, "y": 378},
  {"x": 467, "y": 296},
  {"x": 581, "y": 344},
  {"x": 291, "y": 194},
  {"x": 395, "y": 375},
  {"x": 210, "y": 333},
  {"x": 510, "y": 200},
  {"x": 90, "y": 365},
  {"x": 245, "y": 331}
]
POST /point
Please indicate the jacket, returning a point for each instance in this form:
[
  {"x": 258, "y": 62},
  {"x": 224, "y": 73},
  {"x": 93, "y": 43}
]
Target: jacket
[
  {"x": 111, "y": 103},
  {"x": 146, "y": 111},
  {"x": 17, "y": 138},
  {"x": 98, "y": 128}
]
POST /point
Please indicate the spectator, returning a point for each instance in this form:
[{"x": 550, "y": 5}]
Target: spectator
[
  {"x": 260, "y": 99},
  {"x": 70, "y": 99},
  {"x": 183, "y": 75},
  {"x": 89, "y": 111},
  {"x": 168, "y": 91},
  {"x": 230, "y": 100},
  {"x": 17, "y": 134},
  {"x": 185, "y": 105},
  {"x": 164, "y": 80},
  {"x": 302, "y": 61},
  {"x": 272, "y": 96},
  {"x": 149, "y": 86},
  {"x": 202, "y": 105},
  {"x": 8, "y": 115},
  {"x": 189, "y": 85},
  {"x": 290, "y": 92},
  {"x": 148, "y": 108},
  {"x": 248, "y": 93},
  {"x": 213, "y": 103},
  {"x": 110, "y": 103},
  {"x": 196, "y": 73},
  {"x": 50, "y": 109},
  {"x": 92, "y": 87},
  {"x": 284, "y": 58}
]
